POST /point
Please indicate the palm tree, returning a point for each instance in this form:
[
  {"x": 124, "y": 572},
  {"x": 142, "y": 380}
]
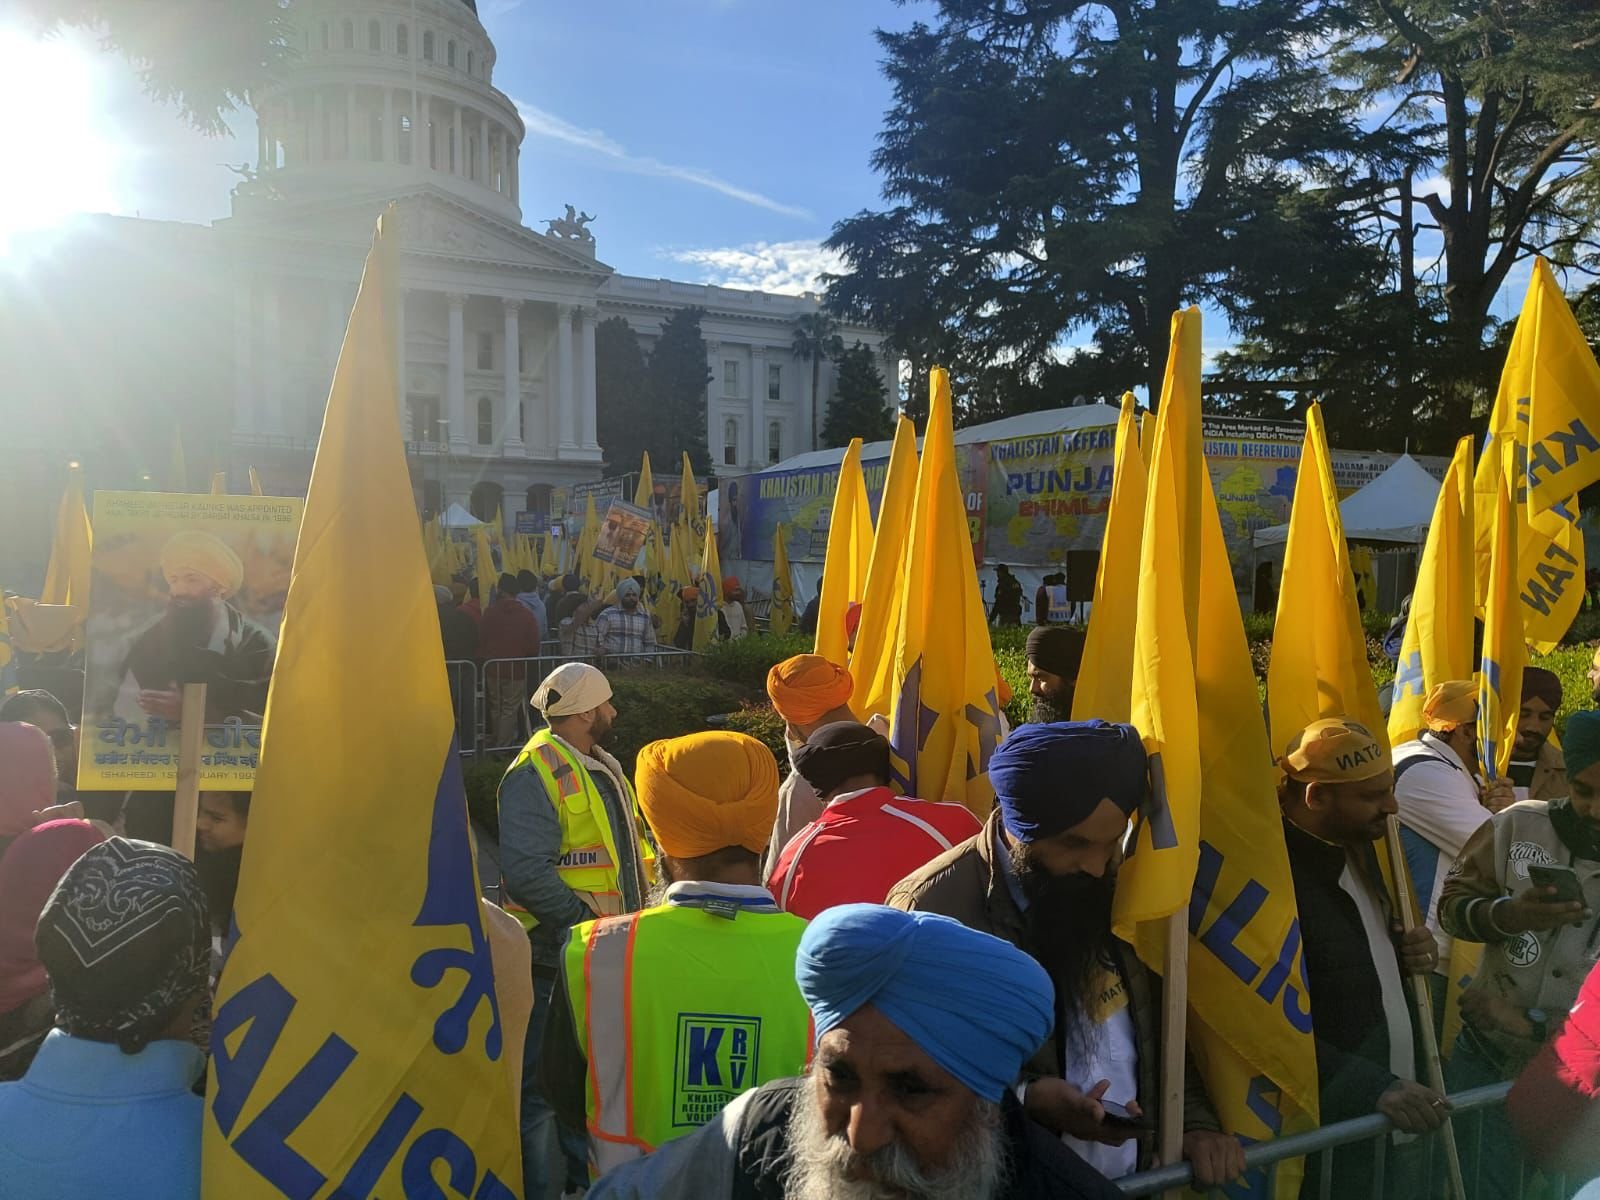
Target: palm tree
[{"x": 816, "y": 337}]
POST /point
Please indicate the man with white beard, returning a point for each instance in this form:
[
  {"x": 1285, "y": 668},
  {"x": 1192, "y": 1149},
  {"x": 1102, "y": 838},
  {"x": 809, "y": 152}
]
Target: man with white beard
[{"x": 922, "y": 1028}]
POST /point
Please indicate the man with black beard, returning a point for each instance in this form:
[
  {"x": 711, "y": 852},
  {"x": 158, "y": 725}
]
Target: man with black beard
[
  {"x": 922, "y": 1025},
  {"x": 1055, "y": 652},
  {"x": 1041, "y": 875},
  {"x": 201, "y": 638}
]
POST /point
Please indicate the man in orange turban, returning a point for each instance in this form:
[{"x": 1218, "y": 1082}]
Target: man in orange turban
[
  {"x": 809, "y": 692},
  {"x": 710, "y": 964}
]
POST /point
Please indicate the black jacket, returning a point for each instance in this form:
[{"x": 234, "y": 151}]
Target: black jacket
[{"x": 1347, "y": 1017}]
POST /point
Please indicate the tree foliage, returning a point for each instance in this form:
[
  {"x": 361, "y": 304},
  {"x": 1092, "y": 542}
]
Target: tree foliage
[
  {"x": 1054, "y": 166},
  {"x": 858, "y": 407},
  {"x": 816, "y": 339},
  {"x": 206, "y": 58},
  {"x": 627, "y": 422},
  {"x": 678, "y": 378}
]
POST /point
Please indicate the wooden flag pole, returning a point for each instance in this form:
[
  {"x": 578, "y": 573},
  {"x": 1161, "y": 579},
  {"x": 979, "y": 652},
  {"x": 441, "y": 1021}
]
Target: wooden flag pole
[
  {"x": 1174, "y": 1029},
  {"x": 191, "y": 737},
  {"x": 1419, "y": 984}
]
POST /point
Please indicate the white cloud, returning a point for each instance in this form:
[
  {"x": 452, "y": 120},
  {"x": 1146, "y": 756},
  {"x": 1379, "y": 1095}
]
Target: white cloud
[
  {"x": 547, "y": 125},
  {"x": 787, "y": 267}
]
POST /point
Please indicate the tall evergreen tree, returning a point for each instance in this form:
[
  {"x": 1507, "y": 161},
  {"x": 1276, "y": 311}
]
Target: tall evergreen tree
[
  {"x": 678, "y": 378},
  {"x": 1053, "y": 165},
  {"x": 627, "y": 422},
  {"x": 858, "y": 406}
]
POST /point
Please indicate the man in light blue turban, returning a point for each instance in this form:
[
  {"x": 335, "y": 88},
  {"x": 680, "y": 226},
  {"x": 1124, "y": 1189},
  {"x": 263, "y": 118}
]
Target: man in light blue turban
[
  {"x": 922, "y": 1027},
  {"x": 1041, "y": 875}
]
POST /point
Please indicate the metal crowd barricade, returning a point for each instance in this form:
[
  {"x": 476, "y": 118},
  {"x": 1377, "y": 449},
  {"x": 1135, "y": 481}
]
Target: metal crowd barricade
[
  {"x": 466, "y": 697},
  {"x": 1472, "y": 1108},
  {"x": 520, "y": 676}
]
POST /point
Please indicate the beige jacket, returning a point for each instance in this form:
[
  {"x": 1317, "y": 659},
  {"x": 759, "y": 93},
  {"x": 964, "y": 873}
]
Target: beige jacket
[{"x": 1527, "y": 970}]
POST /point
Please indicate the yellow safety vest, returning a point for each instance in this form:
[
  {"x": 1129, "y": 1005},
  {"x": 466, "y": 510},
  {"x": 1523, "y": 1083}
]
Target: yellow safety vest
[
  {"x": 678, "y": 1010},
  {"x": 588, "y": 860}
]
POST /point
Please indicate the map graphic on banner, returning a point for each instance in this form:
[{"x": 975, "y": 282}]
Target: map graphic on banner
[{"x": 187, "y": 589}]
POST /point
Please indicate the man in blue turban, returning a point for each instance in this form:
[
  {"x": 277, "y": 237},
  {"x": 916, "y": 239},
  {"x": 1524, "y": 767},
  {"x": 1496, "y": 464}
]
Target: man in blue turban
[
  {"x": 922, "y": 1027},
  {"x": 1041, "y": 875}
]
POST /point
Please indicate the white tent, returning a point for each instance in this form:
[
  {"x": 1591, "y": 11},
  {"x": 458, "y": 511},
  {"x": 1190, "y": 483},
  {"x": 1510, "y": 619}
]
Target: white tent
[
  {"x": 456, "y": 517},
  {"x": 1396, "y": 507}
]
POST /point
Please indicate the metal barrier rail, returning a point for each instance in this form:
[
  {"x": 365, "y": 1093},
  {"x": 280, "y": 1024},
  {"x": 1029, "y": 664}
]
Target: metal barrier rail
[
  {"x": 494, "y": 715},
  {"x": 1471, "y": 1107}
]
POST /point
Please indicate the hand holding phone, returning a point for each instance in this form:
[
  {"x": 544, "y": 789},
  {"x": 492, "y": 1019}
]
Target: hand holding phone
[
  {"x": 1119, "y": 1117},
  {"x": 1554, "y": 900}
]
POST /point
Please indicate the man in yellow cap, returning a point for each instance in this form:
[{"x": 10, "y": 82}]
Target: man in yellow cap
[
  {"x": 570, "y": 851},
  {"x": 1337, "y": 795},
  {"x": 808, "y": 692},
  {"x": 666, "y": 1015},
  {"x": 1441, "y": 801},
  {"x": 199, "y": 638}
]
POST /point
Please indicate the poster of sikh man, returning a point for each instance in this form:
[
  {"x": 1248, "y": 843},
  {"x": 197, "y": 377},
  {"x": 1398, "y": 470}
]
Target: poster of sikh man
[{"x": 199, "y": 638}]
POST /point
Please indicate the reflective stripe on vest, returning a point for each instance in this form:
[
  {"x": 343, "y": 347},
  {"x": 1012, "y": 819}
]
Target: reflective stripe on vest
[
  {"x": 664, "y": 1058},
  {"x": 588, "y": 860}
]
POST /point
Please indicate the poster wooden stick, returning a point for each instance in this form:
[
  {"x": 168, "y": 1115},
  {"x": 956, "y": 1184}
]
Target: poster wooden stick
[
  {"x": 1174, "y": 1029},
  {"x": 1419, "y": 984},
  {"x": 191, "y": 738}
]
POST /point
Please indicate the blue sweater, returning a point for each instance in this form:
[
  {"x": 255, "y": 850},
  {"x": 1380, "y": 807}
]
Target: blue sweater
[{"x": 88, "y": 1121}]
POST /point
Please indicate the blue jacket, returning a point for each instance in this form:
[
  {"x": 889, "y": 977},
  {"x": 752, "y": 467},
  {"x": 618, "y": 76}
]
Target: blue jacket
[{"x": 88, "y": 1121}]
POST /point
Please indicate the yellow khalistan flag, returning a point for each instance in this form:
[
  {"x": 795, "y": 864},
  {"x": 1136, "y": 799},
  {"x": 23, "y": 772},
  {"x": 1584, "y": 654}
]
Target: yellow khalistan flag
[
  {"x": 549, "y": 558},
  {"x": 358, "y": 1046},
  {"x": 689, "y": 513},
  {"x": 1438, "y": 639},
  {"x": 66, "y": 579},
  {"x": 1156, "y": 880},
  {"x": 483, "y": 569},
  {"x": 255, "y": 483},
  {"x": 584, "y": 562},
  {"x": 1500, "y": 672},
  {"x": 781, "y": 616},
  {"x": 1550, "y": 563},
  {"x": 647, "y": 484},
  {"x": 844, "y": 569},
  {"x": 705, "y": 621},
  {"x": 1563, "y": 454},
  {"x": 1103, "y": 679},
  {"x": 1319, "y": 662},
  {"x": 946, "y": 716},
  {"x": 872, "y": 661}
]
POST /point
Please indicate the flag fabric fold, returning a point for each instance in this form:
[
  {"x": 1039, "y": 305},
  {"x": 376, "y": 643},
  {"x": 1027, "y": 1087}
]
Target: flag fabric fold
[
  {"x": 1438, "y": 640},
  {"x": 946, "y": 715},
  {"x": 705, "y": 621},
  {"x": 1319, "y": 664},
  {"x": 849, "y": 553},
  {"x": 66, "y": 578},
  {"x": 357, "y": 1044},
  {"x": 1563, "y": 449},
  {"x": 872, "y": 660},
  {"x": 1500, "y": 669},
  {"x": 1104, "y": 682}
]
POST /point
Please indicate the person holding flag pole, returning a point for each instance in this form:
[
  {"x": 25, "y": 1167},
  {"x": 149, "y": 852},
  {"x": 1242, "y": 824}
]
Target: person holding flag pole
[
  {"x": 1209, "y": 832},
  {"x": 1328, "y": 732},
  {"x": 374, "y": 1030}
]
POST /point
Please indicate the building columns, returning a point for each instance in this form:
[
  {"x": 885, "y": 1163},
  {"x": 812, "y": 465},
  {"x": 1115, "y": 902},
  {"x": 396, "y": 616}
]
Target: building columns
[
  {"x": 516, "y": 162},
  {"x": 422, "y": 136},
  {"x": 483, "y": 175},
  {"x": 586, "y": 378},
  {"x": 391, "y": 129},
  {"x": 458, "y": 156},
  {"x": 758, "y": 400},
  {"x": 244, "y": 382},
  {"x": 350, "y": 122},
  {"x": 456, "y": 379},
  {"x": 316, "y": 151},
  {"x": 565, "y": 394},
  {"x": 513, "y": 367},
  {"x": 270, "y": 416}
]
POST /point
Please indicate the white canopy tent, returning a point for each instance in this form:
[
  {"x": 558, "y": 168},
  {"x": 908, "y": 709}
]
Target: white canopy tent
[
  {"x": 1395, "y": 508},
  {"x": 456, "y": 517}
]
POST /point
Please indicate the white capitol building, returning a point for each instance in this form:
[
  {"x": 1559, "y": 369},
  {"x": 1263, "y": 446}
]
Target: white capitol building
[{"x": 394, "y": 100}]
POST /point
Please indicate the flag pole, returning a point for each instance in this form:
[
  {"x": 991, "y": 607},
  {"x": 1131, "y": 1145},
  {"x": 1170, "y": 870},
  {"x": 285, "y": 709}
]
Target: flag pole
[
  {"x": 1419, "y": 984},
  {"x": 1174, "y": 1030},
  {"x": 191, "y": 737}
]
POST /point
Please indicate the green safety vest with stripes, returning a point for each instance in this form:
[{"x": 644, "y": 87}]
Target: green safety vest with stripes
[
  {"x": 588, "y": 858},
  {"x": 679, "y": 1009}
]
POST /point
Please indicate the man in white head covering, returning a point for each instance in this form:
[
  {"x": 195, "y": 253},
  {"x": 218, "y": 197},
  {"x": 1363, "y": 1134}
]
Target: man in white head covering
[
  {"x": 200, "y": 637},
  {"x": 570, "y": 851}
]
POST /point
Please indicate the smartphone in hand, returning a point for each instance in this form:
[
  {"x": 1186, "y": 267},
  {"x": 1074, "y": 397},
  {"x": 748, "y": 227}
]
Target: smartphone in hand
[
  {"x": 1118, "y": 1117},
  {"x": 1563, "y": 879}
]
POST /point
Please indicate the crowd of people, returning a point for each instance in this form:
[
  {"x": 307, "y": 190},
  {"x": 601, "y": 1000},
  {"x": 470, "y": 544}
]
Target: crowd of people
[{"x": 741, "y": 981}]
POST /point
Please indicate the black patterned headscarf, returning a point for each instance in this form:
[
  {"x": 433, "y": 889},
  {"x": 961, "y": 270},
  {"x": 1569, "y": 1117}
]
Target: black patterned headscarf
[{"x": 126, "y": 941}]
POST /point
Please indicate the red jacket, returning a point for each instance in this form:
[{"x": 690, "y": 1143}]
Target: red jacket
[
  {"x": 508, "y": 630},
  {"x": 861, "y": 846}
]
